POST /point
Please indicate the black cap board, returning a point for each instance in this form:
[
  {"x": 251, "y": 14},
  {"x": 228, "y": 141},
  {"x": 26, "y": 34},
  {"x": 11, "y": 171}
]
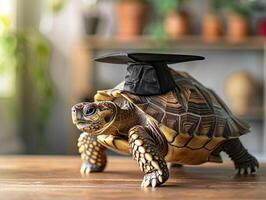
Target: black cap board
[{"x": 147, "y": 73}]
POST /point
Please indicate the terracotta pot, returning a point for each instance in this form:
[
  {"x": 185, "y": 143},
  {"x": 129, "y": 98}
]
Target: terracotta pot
[
  {"x": 211, "y": 27},
  {"x": 176, "y": 25},
  {"x": 237, "y": 28},
  {"x": 130, "y": 18},
  {"x": 261, "y": 27}
]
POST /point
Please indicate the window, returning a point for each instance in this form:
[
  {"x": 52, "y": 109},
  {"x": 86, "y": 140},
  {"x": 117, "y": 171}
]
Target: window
[{"x": 7, "y": 48}]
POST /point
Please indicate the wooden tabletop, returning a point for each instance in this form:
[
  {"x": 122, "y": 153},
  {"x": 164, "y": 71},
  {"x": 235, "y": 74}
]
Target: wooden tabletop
[{"x": 57, "y": 177}]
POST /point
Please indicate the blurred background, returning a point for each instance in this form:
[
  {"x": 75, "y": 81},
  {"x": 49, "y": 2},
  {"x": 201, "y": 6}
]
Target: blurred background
[{"x": 47, "y": 47}]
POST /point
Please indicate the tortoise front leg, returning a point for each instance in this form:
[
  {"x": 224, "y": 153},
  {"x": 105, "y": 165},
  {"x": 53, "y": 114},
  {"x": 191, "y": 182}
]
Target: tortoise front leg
[
  {"x": 145, "y": 151},
  {"x": 92, "y": 154}
]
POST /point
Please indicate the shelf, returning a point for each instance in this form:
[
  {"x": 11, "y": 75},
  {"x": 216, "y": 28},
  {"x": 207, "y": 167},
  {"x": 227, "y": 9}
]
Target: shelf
[{"x": 189, "y": 42}]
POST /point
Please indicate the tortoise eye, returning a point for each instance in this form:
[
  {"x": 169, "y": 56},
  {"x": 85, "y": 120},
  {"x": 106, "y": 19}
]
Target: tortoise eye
[{"x": 90, "y": 111}]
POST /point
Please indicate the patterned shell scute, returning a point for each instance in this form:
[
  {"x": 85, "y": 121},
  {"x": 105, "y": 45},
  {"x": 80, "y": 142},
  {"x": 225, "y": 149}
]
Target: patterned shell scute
[{"x": 191, "y": 109}]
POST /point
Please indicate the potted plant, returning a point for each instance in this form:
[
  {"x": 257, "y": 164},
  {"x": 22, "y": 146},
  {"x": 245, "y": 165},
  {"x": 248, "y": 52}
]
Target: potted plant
[
  {"x": 24, "y": 56},
  {"x": 91, "y": 16},
  {"x": 176, "y": 21},
  {"x": 212, "y": 27},
  {"x": 259, "y": 8},
  {"x": 131, "y": 16},
  {"x": 261, "y": 27},
  {"x": 237, "y": 21}
]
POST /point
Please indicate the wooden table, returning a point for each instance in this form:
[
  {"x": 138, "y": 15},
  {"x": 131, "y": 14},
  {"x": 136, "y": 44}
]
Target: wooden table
[{"x": 57, "y": 177}]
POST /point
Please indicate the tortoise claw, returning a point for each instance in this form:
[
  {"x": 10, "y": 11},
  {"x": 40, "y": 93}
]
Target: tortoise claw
[
  {"x": 247, "y": 170},
  {"x": 249, "y": 167},
  {"x": 152, "y": 179},
  {"x": 254, "y": 171},
  {"x": 241, "y": 171},
  {"x": 87, "y": 168}
]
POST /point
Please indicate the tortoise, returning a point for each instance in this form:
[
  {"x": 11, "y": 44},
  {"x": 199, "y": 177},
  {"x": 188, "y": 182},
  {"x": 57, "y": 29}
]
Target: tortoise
[{"x": 187, "y": 125}]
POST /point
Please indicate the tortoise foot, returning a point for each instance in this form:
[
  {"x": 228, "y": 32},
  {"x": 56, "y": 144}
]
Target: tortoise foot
[
  {"x": 249, "y": 167},
  {"x": 174, "y": 166},
  {"x": 87, "y": 168},
  {"x": 244, "y": 162},
  {"x": 152, "y": 179}
]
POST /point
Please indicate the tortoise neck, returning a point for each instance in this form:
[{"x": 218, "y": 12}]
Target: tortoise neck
[{"x": 125, "y": 119}]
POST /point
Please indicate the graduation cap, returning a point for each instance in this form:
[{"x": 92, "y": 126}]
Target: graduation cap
[{"x": 147, "y": 73}]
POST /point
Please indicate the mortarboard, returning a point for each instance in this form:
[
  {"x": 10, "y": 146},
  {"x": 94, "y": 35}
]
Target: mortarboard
[{"x": 147, "y": 73}]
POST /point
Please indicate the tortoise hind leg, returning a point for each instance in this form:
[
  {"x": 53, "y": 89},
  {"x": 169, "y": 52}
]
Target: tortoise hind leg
[
  {"x": 146, "y": 152},
  {"x": 92, "y": 154},
  {"x": 244, "y": 162}
]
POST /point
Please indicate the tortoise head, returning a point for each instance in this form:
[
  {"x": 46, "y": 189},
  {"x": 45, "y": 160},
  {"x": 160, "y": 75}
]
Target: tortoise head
[{"x": 94, "y": 117}]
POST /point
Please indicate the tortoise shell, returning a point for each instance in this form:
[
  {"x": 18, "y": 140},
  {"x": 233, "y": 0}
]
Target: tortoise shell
[
  {"x": 190, "y": 116},
  {"x": 191, "y": 109}
]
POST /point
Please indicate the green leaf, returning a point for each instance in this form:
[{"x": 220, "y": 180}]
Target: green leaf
[
  {"x": 5, "y": 23},
  {"x": 55, "y": 6}
]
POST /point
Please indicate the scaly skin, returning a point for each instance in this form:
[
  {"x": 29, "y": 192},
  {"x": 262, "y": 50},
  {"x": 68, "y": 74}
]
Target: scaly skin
[
  {"x": 93, "y": 154},
  {"x": 145, "y": 151},
  {"x": 244, "y": 162}
]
